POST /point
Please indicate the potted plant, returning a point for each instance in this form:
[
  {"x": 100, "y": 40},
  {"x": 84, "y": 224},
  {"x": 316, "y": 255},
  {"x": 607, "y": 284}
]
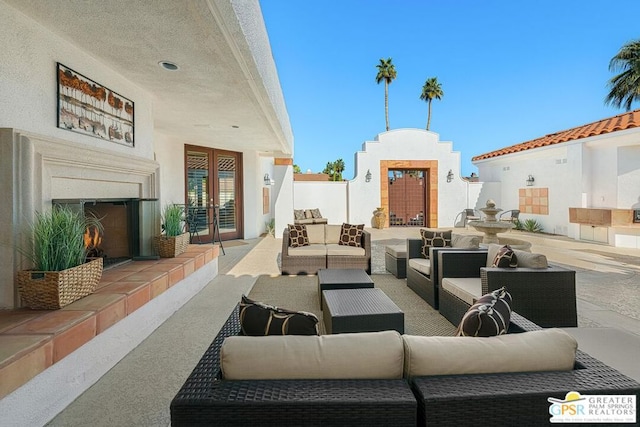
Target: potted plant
[
  {"x": 56, "y": 247},
  {"x": 174, "y": 239}
]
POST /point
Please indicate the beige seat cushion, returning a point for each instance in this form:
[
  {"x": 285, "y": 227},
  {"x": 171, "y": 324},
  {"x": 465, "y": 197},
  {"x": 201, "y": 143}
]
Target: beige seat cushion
[
  {"x": 545, "y": 350},
  {"x": 465, "y": 288},
  {"x": 311, "y": 250},
  {"x": 336, "y": 249},
  {"x": 332, "y": 233},
  {"x": 398, "y": 251},
  {"x": 421, "y": 264},
  {"x": 367, "y": 355},
  {"x": 315, "y": 233}
]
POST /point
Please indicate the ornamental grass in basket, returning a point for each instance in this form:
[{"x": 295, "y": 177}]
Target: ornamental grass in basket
[
  {"x": 56, "y": 247},
  {"x": 174, "y": 239}
]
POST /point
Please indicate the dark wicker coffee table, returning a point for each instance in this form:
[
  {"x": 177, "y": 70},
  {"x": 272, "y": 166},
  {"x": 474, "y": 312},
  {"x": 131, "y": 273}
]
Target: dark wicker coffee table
[
  {"x": 360, "y": 310},
  {"x": 348, "y": 278}
]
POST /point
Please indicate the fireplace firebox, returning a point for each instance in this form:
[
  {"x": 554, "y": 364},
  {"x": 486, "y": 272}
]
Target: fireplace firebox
[{"x": 129, "y": 226}]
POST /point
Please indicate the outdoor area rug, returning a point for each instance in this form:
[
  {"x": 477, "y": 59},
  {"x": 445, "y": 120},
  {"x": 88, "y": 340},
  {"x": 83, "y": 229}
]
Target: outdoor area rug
[{"x": 300, "y": 293}]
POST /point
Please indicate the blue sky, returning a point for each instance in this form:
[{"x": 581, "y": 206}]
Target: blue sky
[{"x": 511, "y": 70}]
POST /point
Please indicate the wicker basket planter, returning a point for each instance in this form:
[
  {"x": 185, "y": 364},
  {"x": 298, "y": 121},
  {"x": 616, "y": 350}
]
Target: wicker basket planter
[
  {"x": 170, "y": 247},
  {"x": 50, "y": 290}
]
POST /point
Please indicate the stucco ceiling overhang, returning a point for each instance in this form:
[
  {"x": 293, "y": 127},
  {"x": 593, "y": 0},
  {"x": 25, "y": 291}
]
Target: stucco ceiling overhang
[{"x": 226, "y": 93}]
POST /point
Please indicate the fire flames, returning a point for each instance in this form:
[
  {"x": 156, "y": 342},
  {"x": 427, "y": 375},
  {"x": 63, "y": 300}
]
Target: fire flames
[{"x": 92, "y": 242}]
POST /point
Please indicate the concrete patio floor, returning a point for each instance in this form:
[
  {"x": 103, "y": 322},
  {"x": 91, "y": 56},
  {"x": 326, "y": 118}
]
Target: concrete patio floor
[{"x": 138, "y": 390}]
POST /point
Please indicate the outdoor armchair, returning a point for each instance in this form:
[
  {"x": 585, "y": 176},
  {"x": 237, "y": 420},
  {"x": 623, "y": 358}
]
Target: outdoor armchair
[{"x": 546, "y": 296}]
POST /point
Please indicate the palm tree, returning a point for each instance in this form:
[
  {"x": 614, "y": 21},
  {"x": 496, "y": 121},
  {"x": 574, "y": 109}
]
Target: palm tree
[
  {"x": 338, "y": 167},
  {"x": 625, "y": 87},
  {"x": 431, "y": 89},
  {"x": 386, "y": 72}
]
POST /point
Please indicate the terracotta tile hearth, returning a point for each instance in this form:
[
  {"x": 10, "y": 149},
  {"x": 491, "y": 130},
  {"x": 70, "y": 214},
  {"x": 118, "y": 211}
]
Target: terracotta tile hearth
[{"x": 33, "y": 340}]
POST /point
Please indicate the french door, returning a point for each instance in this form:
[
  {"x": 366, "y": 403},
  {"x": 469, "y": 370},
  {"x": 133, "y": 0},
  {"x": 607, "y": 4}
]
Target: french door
[{"x": 213, "y": 191}]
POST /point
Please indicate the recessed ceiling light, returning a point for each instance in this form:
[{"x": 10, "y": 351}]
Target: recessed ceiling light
[{"x": 167, "y": 65}]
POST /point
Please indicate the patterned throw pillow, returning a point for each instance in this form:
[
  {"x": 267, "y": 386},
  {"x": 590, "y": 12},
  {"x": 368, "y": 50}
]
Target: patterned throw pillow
[
  {"x": 298, "y": 235},
  {"x": 505, "y": 258},
  {"x": 488, "y": 317},
  {"x": 316, "y": 213},
  {"x": 298, "y": 214},
  {"x": 350, "y": 235},
  {"x": 435, "y": 238},
  {"x": 258, "y": 319}
]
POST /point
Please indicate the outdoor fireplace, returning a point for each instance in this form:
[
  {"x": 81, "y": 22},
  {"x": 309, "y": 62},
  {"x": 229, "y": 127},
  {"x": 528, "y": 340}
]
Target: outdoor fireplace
[{"x": 129, "y": 225}]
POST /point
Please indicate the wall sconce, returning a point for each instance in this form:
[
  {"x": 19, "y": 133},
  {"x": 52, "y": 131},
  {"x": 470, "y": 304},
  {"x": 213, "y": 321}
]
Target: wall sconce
[
  {"x": 267, "y": 179},
  {"x": 367, "y": 177},
  {"x": 530, "y": 180},
  {"x": 450, "y": 176}
]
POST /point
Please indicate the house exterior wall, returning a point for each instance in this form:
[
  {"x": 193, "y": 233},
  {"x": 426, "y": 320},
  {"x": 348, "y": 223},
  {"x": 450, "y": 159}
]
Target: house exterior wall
[
  {"x": 596, "y": 172},
  {"x": 29, "y": 86},
  {"x": 330, "y": 197}
]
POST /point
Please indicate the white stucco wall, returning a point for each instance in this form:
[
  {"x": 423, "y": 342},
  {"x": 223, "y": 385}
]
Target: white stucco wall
[{"x": 28, "y": 84}]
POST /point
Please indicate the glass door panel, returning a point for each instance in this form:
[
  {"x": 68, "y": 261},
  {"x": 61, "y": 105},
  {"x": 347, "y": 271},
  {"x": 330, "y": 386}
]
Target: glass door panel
[
  {"x": 228, "y": 195},
  {"x": 198, "y": 200}
]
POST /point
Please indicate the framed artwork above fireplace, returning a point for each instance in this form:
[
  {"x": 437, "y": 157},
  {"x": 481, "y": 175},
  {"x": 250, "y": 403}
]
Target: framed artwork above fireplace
[{"x": 89, "y": 108}]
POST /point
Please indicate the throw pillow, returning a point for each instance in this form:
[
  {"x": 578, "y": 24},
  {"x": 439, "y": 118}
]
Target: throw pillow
[
  {"x": 505, "y": 258},
  {"x": 351, "y": 235},
  {"x": 316, "y": 213},
  {"x": 435, "y": 238},
  {"x": 488, "y": 317},
  {"x": 298, "y": 235},
  {"x": 258, "y": 319},
  {"x": 298, "y": 214}
]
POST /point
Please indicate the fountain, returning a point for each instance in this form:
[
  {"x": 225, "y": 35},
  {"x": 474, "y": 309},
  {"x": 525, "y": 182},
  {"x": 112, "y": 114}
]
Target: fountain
[{"x": 491, "y": 226}]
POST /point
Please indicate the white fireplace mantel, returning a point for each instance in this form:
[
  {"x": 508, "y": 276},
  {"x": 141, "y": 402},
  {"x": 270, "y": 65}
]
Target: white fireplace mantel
[{"x": 34, "y": 169}]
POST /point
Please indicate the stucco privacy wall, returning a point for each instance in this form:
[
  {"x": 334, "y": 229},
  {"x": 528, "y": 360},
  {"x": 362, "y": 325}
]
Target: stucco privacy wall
[
  {"x": 407, "y": 145},
  {"x": 330, "y": 197}
]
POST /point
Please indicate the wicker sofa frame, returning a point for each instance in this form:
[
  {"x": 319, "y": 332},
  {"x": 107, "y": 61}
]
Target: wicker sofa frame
[
  {"x": 427, "y": 287},
  {"x": 452, "y": 400},
  {"x": 546, "y": 296},
  {"x": 295, "y": 265},
  {"x": 206, "y": 399}
]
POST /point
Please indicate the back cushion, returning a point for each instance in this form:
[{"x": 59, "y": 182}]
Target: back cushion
[
  {"x": 544, "y": 350},
  {"x": 332, "y": 233},
  {"x": 308, "y": 214},
  {"x": 366, "y": 355},
  {"x": 315, "y": 233},
  {"x": 531, "y": 260},
  {"x": 463, "y": 241},
  {"x": 492, "y": 251}
]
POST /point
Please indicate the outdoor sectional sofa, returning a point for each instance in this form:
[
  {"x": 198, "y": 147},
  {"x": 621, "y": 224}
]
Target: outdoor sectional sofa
[
  {"x": 521, "y": 398},
  {"x": 324, "y": 251}
]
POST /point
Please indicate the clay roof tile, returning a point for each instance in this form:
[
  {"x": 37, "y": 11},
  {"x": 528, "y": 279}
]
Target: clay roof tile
[{"x": 623, "y": 121}]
